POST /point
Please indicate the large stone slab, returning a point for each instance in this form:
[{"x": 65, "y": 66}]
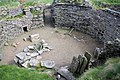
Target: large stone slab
[
  {"x": 74, "y": 65},
  {"x": 48, "y": 64},
  {"x": 88, "y": 56},
  {"x": 66, "y": 74},
  {"x": 80, "y": 63},
  {"x": 84, "y": 64}
]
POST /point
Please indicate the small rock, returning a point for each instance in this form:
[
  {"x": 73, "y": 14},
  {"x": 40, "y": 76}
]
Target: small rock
[
  {"x": 31, "y": 47},
  {"x": 25, "y": 49},
  {"x": 14, "y": 45},
  {"x": 28, "y": 54},
  {"x": 6, "y": 44},
  {"x": 43, "y": 41},
  {"x": 34, "y": 54},
  {"x": 21, "y": 55},
  {"x": 24, "y": 39}
]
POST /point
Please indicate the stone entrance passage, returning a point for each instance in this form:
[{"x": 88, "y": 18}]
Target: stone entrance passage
[
  {"x": 25, "y": 29},
  {"x": 48, "y": 19}
]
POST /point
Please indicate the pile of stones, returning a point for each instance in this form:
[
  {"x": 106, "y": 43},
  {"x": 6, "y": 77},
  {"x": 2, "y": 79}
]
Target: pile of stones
[{"x": 30, "y": 56}]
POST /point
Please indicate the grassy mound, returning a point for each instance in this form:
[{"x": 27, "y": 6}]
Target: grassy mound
[
  {"x": 14, "y": 73},
  {"x": 109, "y": 71}
]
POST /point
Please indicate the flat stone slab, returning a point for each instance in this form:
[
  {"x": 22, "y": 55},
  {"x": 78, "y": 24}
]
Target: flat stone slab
[
  {"x": 48, "y": 64},
  {"x": 21, "y": 55},
  {"x": 66, "y": 74},
  {"x": 33, "y": 62}
]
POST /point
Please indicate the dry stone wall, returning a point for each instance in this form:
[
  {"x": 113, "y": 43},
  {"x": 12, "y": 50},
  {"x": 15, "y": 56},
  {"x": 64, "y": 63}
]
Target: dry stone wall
[
  {"x": 97, "y": 23},
  {"x": 10, "y": 29}
]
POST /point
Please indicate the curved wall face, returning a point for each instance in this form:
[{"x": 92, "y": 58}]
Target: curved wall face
[{"x": 97, "y": 23}]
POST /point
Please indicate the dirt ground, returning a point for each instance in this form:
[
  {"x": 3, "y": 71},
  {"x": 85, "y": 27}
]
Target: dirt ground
[{"x": 64, "y": 46}]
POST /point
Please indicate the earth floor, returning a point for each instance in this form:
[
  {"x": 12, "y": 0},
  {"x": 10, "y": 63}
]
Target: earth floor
[{"x": 64, "y": 46}]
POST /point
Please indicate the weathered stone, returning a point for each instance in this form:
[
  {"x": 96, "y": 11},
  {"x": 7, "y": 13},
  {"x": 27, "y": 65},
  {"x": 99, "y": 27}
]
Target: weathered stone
[
  {"x": 21, "y": 55},
  {"x": 74, "y": 65},
  {"x": 25, "y": 39},
  {"x": 88, "y": 56},
  {"x": 16, "y": 60},
  {"x": 33, "y": 62},
  {"x": 39, "y": 57},
  {"x": 25, "y": 64},
  {"x": 31, "y": 47},
  {"x": 84, "y": 64},
  {"x": 80, "y": 64},
  {"x": 48, "y": 64},
  {"x": 6, "y": 44},
  {"x": 34, "y": 54},
  {"x": 25, "y": 49},
  {"x": 97, "y": 52},
  {"x": 14, "y": 45},
  {"x": 34, "y": 37},
  {"x": 66, "y": 74},
  {"x": 98, "y": 24}
]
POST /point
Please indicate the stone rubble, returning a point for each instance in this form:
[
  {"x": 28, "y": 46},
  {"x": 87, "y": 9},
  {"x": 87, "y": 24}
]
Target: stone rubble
[{"x": 30, "y": 56}]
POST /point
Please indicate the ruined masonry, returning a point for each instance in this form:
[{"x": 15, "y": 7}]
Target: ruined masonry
[{"x": 99, "y": 24}]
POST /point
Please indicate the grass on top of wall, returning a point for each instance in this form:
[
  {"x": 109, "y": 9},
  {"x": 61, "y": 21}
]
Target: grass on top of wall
[{"x": 99, "y": 3}]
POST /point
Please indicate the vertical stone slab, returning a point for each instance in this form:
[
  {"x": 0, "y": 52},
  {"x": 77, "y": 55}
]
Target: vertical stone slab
[
  {"x": 85, "y": 61},
  {"x": 74, "y": 65},
  {"x": 97, "y": 53},
  {"x": 80, "y": 63},
  {"x": 88, "y": 56}
]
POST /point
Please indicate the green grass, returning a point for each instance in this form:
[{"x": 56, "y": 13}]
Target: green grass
[
  {"x": 10, "y": 4},
  {"x": 109, "y": 71},
  {"x": 15, "y": 3},
  {"x": 98, "y": 3},
  {"x": 9, "y": 72}
]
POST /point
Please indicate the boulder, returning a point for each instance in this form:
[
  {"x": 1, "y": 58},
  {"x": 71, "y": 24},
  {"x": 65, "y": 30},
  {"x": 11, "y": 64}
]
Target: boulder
[{"x": 66, "y": 74}]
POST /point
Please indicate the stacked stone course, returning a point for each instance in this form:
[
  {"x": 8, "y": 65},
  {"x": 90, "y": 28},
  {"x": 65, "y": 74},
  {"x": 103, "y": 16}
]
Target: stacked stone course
[{"x": 97, "y": 23}]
